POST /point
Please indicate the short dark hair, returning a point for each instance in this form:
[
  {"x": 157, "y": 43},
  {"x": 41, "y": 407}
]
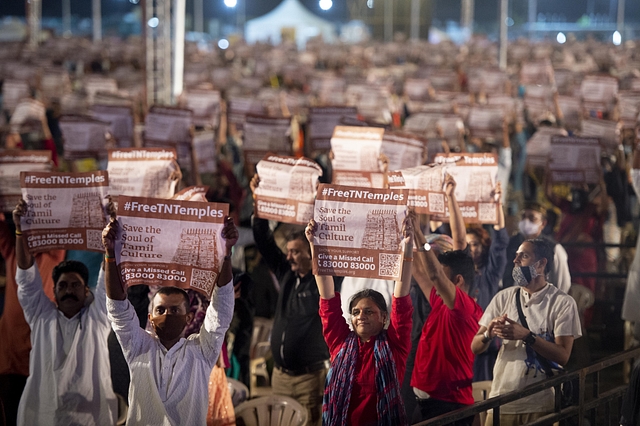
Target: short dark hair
[
  {"x": 369, "y": 293},
  {"x": 485, "y": 240},
  {"x": 543, "y": 248},
  {"x": 70, "y": 266},
  {"x": 299, "y": 235},
  {"x": 169, "y": 290},
  {"x": 537, "y": 207},
  {"x": 460, "y": 263}
]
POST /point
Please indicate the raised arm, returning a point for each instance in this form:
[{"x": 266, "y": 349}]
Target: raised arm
[
  {"x": 230, "y": 236},
  {"x": 23, "y": 257},
  {"x": 403, "y": 286},
  {"x": 113, "y": 284},
  {"x": 497, "y": 193},
  {"x": 325, "y": 283},
  {"x": 429, "y": 273},
  {"x": 456, "y": 221}
]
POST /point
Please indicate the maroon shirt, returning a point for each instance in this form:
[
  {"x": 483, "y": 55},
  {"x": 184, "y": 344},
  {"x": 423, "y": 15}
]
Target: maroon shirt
[{"x": 364, "y": 396}]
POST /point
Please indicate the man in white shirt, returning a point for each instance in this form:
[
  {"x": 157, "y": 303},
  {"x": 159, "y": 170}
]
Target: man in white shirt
[
  {"x": 169, "y": 374},
  {"x": 532, "y": 222},
  {"x": 69, "y": 373},
  {"x": 527, "y": 354}
]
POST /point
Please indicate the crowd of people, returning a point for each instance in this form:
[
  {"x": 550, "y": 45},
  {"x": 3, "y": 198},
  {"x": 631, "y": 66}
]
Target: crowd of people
[{"x": 474, "y": 303}]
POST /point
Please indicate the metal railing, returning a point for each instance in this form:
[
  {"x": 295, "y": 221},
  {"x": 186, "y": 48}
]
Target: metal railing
[{"x": 585, "y": 408}]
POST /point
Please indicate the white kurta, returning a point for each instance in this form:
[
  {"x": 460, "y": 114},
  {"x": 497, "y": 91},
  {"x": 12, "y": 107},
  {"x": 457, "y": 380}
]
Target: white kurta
[
  {"x": 630, "y": 311},
  {"x": 550, "y": 313},
  {"x": 170, "y": 387},
  {"x": 69, "y": 372}
]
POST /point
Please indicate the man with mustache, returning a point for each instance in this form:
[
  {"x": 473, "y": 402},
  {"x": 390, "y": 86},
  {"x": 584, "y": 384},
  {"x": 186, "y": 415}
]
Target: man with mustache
[
  {"x": 169, "y": 374},
  {"x": 69, "y": 373}
]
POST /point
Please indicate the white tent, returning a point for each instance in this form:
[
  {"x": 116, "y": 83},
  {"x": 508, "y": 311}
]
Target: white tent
[{"x": 289, "y": 14}]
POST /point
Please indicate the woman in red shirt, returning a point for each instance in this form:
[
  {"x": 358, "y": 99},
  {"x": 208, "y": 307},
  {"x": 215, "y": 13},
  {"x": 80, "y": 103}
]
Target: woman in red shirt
[{"x": 368, "y": 363}]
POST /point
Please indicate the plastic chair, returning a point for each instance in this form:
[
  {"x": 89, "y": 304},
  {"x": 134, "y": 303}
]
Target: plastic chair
[
  {"x": 583, "y": 296},
  {"x": 275, "y": 410},
  {"x": 481, "y": 392},
  {"x": 259, "y": 379},
  {"x": 261, "y": 333},
  {"x": 239, "y": 392}
]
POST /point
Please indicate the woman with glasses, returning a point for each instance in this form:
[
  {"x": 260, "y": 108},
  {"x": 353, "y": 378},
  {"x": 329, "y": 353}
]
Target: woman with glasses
[{"x": 368, "y": 362}]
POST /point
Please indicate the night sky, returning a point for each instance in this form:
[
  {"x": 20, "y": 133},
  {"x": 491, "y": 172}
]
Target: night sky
[{"x": 485, "y": 10}]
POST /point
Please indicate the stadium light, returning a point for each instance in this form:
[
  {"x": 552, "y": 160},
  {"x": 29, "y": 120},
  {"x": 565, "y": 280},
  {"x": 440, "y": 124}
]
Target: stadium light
[
  {"x": 325, "y": 4},
  {"x": 230, "y": 3},
  {"x": 561, "y": 38},
  {"x": 617, "y": 38}
]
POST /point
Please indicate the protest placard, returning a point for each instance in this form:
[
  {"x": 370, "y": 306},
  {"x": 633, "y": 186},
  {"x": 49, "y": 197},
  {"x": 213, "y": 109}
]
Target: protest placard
[
  {"x": 142, "y": 172},
  {"x": 287, "y": 188},
  {"x": 94, "y": 84},
  {"x": 170, "y": 242},
  {"x": 607, "y": 131},
  {"x": 403, "y": 150},
  {"x": 486, "y": 122},
  {"x": 425, "y": 186},
  {"x": 475, "y": 176},
  {"x": 322, "y": 122},
  {"x": 205, "y": 105},
  {"x": 359, "y": 231},
  {"x": 571, "y": 108},
  {"x": 83, "y": 136},
  {"x": 64, "y": 210},
  {"x": 575, "y": 160},
  {"x": 13, "y": 91},
  {"x": 356, "y": 156},
  {"x": 204, "y": 151},
  {"x": 240, "y": 107},
  {"x": 193, "y": 193},
  {"x": 417, "y": 89},
  {"x": 13, "y": 162},
  {"x": 120, "y": 119},
  {"x": 263, "y": 135},
  {"x": 168, "y": 124},
  {"x": 539, "y": 145}
]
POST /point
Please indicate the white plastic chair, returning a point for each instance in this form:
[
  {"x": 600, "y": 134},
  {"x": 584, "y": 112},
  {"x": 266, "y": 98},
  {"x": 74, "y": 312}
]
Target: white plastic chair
[
  {"x": 238, "y": 390},
  {"x": 261, "y": 333},
  {"x": 259, "y": 378},
  {"x": 481, "y": 392},
  {"x": 275, "y": 410}
]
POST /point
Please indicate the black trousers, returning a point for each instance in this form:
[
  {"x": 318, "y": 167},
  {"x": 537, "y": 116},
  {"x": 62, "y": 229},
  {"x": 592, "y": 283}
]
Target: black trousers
[{"x": 430, "y": 408}]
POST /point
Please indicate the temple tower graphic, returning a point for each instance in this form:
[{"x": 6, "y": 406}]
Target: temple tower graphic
[
  {"x": 477, "y": 183},
  {"x": 301, "y": 184},
  {"x": 86, "y": 211},
  {"x": 381, "y": 231},
  {"x": 197, "y": 248},
  {"x": 156, "y": 181}
]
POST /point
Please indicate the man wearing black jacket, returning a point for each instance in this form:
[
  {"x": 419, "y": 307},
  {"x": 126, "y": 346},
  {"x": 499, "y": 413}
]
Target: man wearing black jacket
[{"x": 300, "y": 354}]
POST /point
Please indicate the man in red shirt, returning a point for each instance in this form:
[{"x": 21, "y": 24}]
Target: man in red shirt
[{"x": 443, "y": 367}]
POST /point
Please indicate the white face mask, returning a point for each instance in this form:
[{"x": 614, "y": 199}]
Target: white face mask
[
  {"x": 528, "y": 228},
  {"x": 523, "y": 275}
]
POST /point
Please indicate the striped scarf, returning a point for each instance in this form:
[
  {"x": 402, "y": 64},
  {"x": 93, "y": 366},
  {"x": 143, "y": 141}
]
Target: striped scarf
[{"x": 340, "y": 379}]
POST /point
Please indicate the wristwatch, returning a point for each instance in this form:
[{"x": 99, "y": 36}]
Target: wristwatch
[
  {"x": 487, "y": 337},
  {"x": 425, "y": 247},
  {"x": 530, "y": 339}
]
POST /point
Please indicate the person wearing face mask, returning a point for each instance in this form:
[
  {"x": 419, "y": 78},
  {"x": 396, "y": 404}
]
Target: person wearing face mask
[
  {"x": 532, "y": 222},
  {"x": 69, "y": 372},
  {"x": 367, "y": 361},
  {"x": 528, "y": 354},
  {"x": 169, "y": 374}
]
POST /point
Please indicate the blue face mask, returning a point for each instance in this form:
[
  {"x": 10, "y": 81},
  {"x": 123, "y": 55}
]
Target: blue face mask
[{"x": 523, "y": 275}]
